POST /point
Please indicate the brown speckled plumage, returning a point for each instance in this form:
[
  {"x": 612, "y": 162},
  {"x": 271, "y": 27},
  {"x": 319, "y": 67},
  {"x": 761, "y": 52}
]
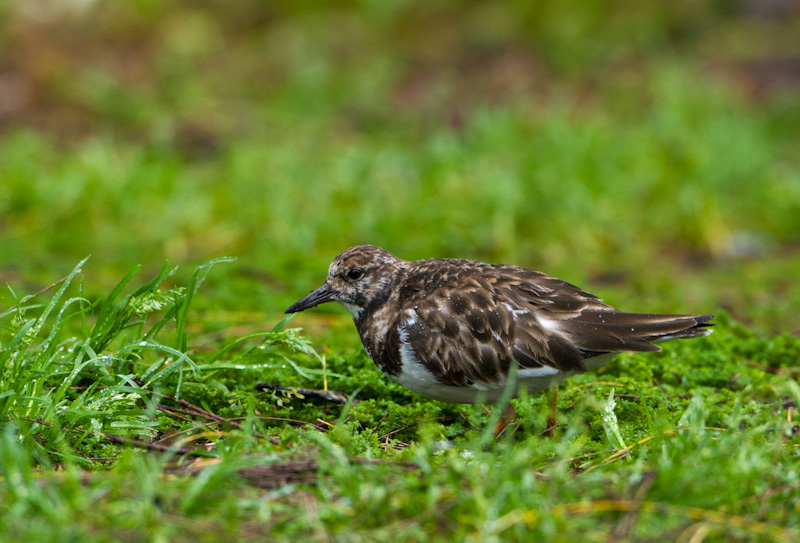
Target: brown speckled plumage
[{"x": 466, "y": 322}]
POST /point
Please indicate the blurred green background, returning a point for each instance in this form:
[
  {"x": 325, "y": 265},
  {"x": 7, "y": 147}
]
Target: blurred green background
[{"x": 649, "y": 152}]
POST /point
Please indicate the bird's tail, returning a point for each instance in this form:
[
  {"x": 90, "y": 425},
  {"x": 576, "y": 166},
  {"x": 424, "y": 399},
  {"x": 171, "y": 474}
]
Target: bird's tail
[{"x": 603, "y": 331}]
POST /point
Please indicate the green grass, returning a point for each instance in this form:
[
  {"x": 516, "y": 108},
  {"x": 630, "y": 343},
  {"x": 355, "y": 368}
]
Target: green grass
[
  {"x": 618, "y": 147},
  {"x": 702, "y": 436}
]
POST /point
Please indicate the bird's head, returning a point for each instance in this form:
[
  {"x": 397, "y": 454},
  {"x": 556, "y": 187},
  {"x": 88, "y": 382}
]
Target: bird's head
[{"x": 358, "y": 277}]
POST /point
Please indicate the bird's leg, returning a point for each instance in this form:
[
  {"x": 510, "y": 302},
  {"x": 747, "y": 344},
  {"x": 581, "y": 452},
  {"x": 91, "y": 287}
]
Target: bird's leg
[
  {"x": 552, "y": 399},
  {"x": 505, "y": 419}
]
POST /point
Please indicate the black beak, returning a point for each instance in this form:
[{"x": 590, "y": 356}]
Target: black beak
[{"x": 320, "y": 296}]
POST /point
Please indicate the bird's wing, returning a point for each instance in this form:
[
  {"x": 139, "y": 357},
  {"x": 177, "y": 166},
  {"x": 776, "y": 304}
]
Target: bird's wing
[
  {"x": 589, "y": 325},
  {"x": 471, "y": 330}
]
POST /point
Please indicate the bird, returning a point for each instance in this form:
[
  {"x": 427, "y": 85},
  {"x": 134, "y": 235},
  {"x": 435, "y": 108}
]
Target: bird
[{"x": 463, "y": 331}]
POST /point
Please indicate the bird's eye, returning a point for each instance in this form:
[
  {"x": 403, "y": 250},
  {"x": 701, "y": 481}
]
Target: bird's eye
[{"x": 355, "y": 273}]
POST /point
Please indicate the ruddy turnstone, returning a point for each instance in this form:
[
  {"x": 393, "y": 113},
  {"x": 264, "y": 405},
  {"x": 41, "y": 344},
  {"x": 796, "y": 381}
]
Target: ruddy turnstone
[{"x": 452, "y": 330}]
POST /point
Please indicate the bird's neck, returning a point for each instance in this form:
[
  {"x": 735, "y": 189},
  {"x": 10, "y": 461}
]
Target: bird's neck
[{"x": 363, "y": 312}]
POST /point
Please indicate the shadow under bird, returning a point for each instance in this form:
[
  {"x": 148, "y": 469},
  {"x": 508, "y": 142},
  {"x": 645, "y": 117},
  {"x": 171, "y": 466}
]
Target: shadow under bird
[{"x": 456, "y": 330}]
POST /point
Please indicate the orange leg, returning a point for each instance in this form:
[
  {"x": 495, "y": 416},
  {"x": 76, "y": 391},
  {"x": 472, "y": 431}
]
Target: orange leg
[
  {"x": 552, "y": 396},
  {"x": 505, "y": 419}
]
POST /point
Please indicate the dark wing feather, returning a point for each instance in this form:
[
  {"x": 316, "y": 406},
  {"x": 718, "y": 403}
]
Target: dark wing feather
[
  {"x": 472, "y": 320},
  {"x": 584, "y": 322},
  {"x": 473, "y": 332}
]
